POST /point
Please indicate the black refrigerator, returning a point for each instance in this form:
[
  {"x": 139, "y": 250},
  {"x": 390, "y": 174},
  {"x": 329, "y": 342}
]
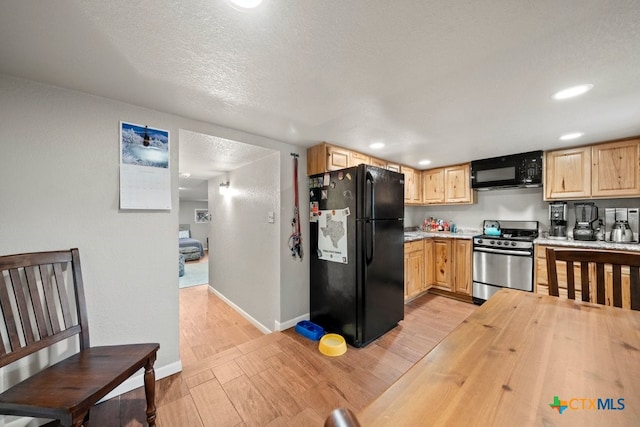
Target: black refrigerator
[{"x": 357, "y": 254}]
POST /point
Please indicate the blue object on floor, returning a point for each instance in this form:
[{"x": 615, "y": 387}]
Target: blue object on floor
[{"x": 309, "y": 330}]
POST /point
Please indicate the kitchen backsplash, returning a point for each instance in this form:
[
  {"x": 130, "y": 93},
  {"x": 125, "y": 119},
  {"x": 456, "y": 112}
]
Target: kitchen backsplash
[{"x": 510, "y": 204}]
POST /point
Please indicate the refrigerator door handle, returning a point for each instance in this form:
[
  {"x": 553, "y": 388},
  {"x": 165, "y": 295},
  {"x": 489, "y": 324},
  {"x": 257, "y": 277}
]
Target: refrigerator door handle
[
  {"x": 370, "y": 232},
  {"x": 370, "y": 203},
  {"x": 369, "y": 215}
]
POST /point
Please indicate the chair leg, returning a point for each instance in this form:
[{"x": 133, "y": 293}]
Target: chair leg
[{"x": 150, "y": 390}]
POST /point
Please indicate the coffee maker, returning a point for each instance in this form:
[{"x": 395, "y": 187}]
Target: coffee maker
[
  {"x": 586, "y": 215},
  {"x": 558, "y": 220}
]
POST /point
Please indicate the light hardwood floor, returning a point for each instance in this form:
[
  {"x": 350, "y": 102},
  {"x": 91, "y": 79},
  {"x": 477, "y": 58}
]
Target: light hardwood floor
[{"x": 233, "y": 375}]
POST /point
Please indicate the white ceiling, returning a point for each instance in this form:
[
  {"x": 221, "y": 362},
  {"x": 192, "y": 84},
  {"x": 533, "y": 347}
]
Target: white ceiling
[
  {"x": 204, "y": 157},
  {"x": 449, "y": 81}
]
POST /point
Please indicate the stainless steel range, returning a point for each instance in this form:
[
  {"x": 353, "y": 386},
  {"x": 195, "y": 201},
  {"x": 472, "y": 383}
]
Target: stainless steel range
[{"x": 503, "y": 258}]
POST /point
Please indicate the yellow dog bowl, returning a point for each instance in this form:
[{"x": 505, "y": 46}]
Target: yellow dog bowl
[{"x": 332, "y": 345}]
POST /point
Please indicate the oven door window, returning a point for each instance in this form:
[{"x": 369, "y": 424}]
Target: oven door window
[{"x": 508, "y": 271}]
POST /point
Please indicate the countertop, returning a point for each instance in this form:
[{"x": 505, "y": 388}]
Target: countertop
[
  {"x": 410, "y": 236},
  {"x": 629, "y": 247}
]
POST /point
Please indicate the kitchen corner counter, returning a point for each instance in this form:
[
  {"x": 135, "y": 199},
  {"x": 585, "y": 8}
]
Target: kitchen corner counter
[
  {"x": 628, "y": 247},
  {"x": 411, "y": 236}
]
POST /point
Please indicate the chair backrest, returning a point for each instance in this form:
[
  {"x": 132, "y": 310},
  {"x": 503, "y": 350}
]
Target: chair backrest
[
  {"x": 42, "y": 302},
  {"x": 599, "y": 259}
]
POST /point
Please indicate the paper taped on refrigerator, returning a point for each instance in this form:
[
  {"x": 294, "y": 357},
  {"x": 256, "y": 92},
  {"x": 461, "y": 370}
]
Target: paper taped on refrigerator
[{"x": 332, "y": 235}]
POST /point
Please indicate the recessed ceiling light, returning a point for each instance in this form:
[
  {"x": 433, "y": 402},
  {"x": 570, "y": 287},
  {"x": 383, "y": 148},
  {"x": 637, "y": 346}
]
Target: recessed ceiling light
[
  {"x": 424, "y": 162},
  {"x": 181, "y": 188},
  {"x": 246, "y": 4},
  {"x": 570, "y": 136},
  {"x": 572, "y": 91},
  {"x": 185, "y": 175},
  {"x": 376, "y": 145}
]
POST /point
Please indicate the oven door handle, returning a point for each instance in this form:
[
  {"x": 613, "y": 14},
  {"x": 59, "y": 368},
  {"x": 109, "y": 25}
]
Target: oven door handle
[{"x": 503, "y": 251}]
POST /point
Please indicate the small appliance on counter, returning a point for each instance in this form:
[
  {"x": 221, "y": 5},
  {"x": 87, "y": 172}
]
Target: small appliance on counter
[
  {"x": 622, "y": 225},
  {"x": 558, "y": 220},
  {"x": 586, "y": 215}
]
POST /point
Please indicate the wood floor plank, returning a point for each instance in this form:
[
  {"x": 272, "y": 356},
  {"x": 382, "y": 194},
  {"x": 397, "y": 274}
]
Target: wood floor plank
[
  {"x": 105, "y": 414},
  {"x": 227, "y": 372},
  {"x": 234, "y": 375},
  {"x": 199, "y": 378},
  {"x": 307, "y": 418},
  {"x": 280, "y": 395},
  {"x": 257, "y": 361},
  {"x": 325, "y": 397},
  {"x": 211, "y": 362},
  {"x": 214, "y": 406},
  {"x": 292, "y": 375},
  {"x": 254, "y": 408},
  {"x": 182, "y": 412},
  {"x": 133, "y": 407},
  {"x": 169, "y": 389},
  {"x": 262, "y": 341}
]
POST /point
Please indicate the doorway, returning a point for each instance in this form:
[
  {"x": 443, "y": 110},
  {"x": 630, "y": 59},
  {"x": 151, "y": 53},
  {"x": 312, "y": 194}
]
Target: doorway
[{"x": 243, "y": 234}]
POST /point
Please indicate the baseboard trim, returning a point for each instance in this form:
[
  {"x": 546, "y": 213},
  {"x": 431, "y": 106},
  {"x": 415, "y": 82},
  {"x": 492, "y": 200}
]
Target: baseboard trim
[
  {"x": 291, "y": 322},
  {"x": 128, "y": 385},
  {"x": 243, "y": 313}
]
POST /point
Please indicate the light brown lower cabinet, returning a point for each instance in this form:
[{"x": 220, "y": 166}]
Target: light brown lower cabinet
[
  {"x": 542, "y": 280},
  {"x": 463, "y": 256},
  {"x": 442, "y": 265},
  {"x": 414, "y": 283}
]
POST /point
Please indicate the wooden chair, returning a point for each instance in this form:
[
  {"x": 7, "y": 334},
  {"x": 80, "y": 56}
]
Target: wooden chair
[
  {"x": 600, "y": 258},
  {"x": 341, "y": 417},
  {"x": 42, "y": 302}
]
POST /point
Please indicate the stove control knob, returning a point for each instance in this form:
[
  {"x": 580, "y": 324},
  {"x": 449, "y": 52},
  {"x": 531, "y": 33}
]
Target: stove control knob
[
  {"x": 498, "y": 242},
  {"x": 492, "y": 242},
  {"x": 513, "y": 243},
  {"x": 479, "y": 241}
]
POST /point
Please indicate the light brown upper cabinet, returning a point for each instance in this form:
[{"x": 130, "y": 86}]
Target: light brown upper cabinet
[
  {"x": 325, "y": 157},
  {"x": 615, "y": 171},
  {"x": 447, "y": 185},
  {"x": 568, "y": 173},
  {"x": 378, "y": 162},
  {"x": 412, "y": 186},
  {"x": 433, "y": 186},
  {"x": 337, "y": 158},
  {"x": 393, "y": 167},
  {"x": 598, "y": 171},
  {"x": 356, "y": 159}
]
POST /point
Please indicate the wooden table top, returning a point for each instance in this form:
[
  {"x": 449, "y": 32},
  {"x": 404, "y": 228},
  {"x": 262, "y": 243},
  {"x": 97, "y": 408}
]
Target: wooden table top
[{"x": 507, "y": 362}]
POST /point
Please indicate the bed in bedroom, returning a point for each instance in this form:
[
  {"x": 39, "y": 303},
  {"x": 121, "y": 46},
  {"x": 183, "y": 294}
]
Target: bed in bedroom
[{"x": 190, "y": 248}]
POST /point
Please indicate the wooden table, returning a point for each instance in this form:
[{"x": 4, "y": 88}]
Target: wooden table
[{"x": 504, "y": 365}]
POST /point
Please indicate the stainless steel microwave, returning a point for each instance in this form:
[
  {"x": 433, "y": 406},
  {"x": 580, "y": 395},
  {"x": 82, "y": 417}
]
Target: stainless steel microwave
[{"x": 512, "y": 171}]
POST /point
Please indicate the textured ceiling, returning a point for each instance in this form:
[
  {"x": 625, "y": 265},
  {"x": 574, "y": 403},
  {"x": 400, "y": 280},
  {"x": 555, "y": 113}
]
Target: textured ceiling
[
  {"x": 205, "y": 156},
  {"x": 446, "y": 81}
]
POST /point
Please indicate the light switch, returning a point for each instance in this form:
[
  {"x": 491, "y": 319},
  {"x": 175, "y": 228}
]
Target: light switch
[{"x": 271, "y": 217}]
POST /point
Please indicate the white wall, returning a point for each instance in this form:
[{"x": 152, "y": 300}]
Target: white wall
[
  {"x": 514, "y": 204},
  {"x": 524, "y": 204},
  {"x": 59, "y": 165},
  {"x": 244, "y": 259},
  {"x": 186, "y": 215}
]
